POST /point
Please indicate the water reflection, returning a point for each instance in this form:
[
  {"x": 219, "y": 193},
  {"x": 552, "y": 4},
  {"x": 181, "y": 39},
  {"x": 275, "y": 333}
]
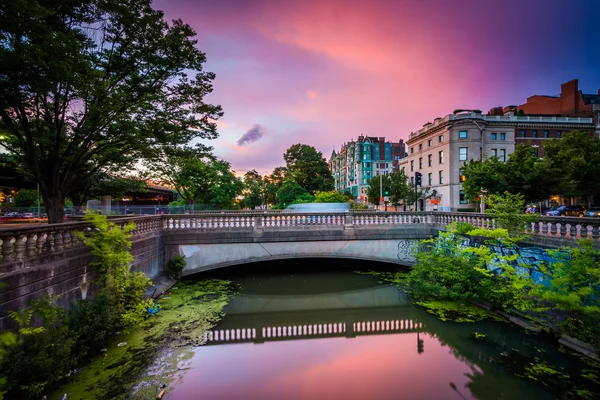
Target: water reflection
[{"x": 362, "y": 340}]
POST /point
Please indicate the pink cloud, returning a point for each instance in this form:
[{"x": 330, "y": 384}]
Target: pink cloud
[{"x": 322, "y": 72}]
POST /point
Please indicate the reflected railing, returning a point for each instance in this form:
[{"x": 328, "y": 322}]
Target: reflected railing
[{"x": 308, "y": 331}]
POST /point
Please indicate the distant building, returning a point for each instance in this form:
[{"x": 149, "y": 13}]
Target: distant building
[
  {"x": 359, "y": 160},
  {"x": 440, "y": 149},
  {"x": 571, "y": 102}
]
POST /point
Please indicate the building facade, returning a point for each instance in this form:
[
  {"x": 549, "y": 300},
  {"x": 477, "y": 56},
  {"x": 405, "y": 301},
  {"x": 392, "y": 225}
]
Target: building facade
[
  {"x": 571, "y": 102},
  {"x": 359, "y": 160},
  {"x": 440, "y": 149}
]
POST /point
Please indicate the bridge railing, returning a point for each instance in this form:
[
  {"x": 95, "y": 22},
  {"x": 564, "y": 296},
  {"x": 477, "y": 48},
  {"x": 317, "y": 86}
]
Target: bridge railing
[
  {"x": 270, "y": 220},
  {"x": 34, "y": 243}
]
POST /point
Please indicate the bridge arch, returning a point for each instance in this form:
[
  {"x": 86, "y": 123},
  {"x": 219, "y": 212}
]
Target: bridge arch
[{"x": 205, "y": 257}]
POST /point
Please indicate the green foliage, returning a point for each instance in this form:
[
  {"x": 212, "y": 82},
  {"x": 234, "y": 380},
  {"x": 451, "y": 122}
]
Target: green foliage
[
  {"x": 84, "y": 100},
  {"x": 254, "y": 190},
  {"x": 574, "y": 290},
  {"x": 110, "y": 244},
  {"x": 508, "y": 210},
  {"x": 291, "y": 192},
  {"x": 330, "y": 197},
  {"x": 358, "y": 206},
  {"x": 577, "y": 156},
  {"x": 197, "y": 176},
  {"x": 27, "y": 198},
  {"x": 523, "y": 173},
  {"x": 176, "y": 265},
  {"x": 448, "y": 269},
  {"x": 456, "y": 311},
  {"x": 488, "y": 174},
  {"x": 92, "y": 323},
  {"x": 273, "y": 183},
  {"x": 536, "y": 179},
  {"x": 38, "y": 360},
  {"x": 307, "y": 167}
]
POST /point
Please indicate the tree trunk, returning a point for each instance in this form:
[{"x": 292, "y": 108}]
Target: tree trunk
[{"x": 55, "y": 207}]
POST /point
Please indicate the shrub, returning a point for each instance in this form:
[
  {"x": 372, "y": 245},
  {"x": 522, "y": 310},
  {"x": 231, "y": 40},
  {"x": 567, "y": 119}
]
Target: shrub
[{"x": 175, "y": 266}]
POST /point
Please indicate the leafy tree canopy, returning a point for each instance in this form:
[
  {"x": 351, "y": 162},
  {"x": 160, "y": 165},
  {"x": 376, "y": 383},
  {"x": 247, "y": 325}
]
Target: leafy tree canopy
[
  {"x": 96, "y": 82},
  {"x": 575, "y": 158},
  {"x": 330, "y": 197},
  {"x": 254, "y": 190},
  {"x": 488, "y": 174},
  {"x": 197, "y": 175},
  {"x": 291, "y": 192},
  {"x": 307, "y": 167}
]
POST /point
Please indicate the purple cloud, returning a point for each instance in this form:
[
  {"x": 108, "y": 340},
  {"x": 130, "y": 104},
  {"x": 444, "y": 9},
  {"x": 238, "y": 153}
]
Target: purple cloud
[{"x": 253, "y": 135}]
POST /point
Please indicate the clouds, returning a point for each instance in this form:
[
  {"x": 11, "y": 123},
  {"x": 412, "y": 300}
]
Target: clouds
[
  {"x": 254, "y": 134},
  {"x": 322, "y": 72}
]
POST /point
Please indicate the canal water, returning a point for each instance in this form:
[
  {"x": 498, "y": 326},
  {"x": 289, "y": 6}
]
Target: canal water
[{"x": 317, "y": 329}]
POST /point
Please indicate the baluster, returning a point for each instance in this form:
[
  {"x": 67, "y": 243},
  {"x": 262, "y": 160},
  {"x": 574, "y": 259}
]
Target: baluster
[
  {"x": 40, "y": 243},
  {"x": 589, "y": 229},
  {"x": 568, "y": 231},
  {"x": 7, "y": 248},
  {"x": 67, "y": 239},
  {"x": 75, "y": 239},
  {"x": 30, "y": 245},
  {"x": 549, "y": 233},
  {"x": 558, "y": 229},
  {"x": 578, "y": 230},
  {"x": 20, "y": 246},
  {"x": 50, "y": 242},
  {"x": 58, "y": 241}
]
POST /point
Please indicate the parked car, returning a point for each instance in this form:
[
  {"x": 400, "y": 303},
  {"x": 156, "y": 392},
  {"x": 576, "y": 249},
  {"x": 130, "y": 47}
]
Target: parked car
[
  {"x": 593, "y": 212},
  {"x": 567, "y": 211}
]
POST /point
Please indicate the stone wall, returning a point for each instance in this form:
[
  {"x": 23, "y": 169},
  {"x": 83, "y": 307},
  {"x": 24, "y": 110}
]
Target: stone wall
[{"x": 65, "y": 269}]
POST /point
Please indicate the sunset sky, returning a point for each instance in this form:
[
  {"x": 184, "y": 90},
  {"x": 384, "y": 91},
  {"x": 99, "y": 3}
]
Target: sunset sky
[{"x": 322, "y": 72}]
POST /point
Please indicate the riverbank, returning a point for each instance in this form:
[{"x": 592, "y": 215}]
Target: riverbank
[{"x": 140, "y": 364}]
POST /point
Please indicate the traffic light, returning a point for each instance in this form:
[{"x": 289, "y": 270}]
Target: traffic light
[
  {"x": 418, "y": 178},
  {"x": 386, "y": 191}
]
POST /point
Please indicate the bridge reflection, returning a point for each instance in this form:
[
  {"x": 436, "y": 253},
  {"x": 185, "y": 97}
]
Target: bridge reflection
[
  {"x": 315, "y": 331},
  {"x": 263, "y": 318}
]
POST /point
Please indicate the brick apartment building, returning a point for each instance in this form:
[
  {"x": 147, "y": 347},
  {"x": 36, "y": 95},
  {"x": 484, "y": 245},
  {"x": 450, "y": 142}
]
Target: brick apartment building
[{"x": 571, "y": 102}]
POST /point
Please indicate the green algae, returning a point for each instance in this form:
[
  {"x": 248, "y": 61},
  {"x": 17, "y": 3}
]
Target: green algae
[
  {"x": 397, "y": 277},
  {"x": 153, "y": 353},
  {"x": 457, "y": 311}
]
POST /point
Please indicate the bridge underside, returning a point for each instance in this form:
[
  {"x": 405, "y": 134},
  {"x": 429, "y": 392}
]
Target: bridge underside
[{"x": 204, "y": 257}]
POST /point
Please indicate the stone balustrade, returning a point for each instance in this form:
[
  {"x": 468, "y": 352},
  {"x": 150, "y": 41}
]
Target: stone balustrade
[
  {"x": 35, "y": 243},
  {"x": 23, "y": 244}
]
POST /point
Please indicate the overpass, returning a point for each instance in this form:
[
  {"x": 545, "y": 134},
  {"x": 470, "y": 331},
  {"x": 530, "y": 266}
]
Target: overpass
[{"x": 52, "y": 260}]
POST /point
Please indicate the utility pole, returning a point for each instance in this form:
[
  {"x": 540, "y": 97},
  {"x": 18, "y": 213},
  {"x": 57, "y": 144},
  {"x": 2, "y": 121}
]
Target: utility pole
[{"x": 380, "y": 190}]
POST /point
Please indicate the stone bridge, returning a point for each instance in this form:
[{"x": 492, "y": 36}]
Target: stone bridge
[{"x": 52, "y": 260}]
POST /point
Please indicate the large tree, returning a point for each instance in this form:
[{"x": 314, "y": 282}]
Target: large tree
[
  {"x": 197, "y": 176},
  {"x": 577, "y": 156},
  {"x": 534, "y": 178},
  {"x": 307, "y": 167},
  {"x": 273, "y": 183},
  {"x": 487, "y": 174},
  {"x": 98, "y": 82},
  {"x": 254, "y": 190}
]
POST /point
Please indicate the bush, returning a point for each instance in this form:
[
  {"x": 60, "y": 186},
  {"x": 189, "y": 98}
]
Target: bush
[{"x": 175, "y": 266}]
